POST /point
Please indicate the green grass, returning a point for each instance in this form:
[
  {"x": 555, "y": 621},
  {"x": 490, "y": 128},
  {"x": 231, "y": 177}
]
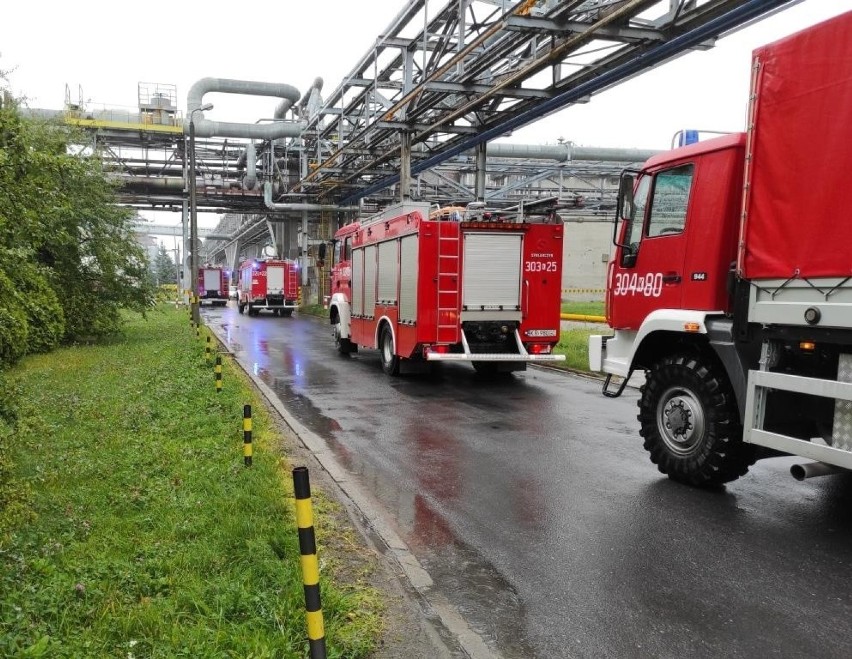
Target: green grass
[
  {"x": 314, "y": 310},
  {"x": 133, "y": 529},
  {"x": 585, "y": 308},
  {"x": 574, "y": 344}
]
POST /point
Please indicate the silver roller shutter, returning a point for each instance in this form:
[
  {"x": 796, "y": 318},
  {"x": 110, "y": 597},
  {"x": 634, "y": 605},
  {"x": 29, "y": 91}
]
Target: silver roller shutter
[
  {"x": 357, "y": 282},
  {"x": 409, "y": 253},
  {"x": 492, "y": 271},
  {"x": 388, "y": 271},
  {"x": 370, "y": 281}
]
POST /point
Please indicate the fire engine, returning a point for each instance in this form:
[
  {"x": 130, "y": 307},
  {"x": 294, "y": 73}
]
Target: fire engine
[
  {"x": 460, "y": 284},
  {"x": 212, "y": 286},
  {"x": 731, "y": 282},
  {"x": 268, "y": 284}
]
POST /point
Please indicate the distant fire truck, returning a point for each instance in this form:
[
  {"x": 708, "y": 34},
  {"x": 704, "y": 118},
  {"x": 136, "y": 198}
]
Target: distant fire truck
[
  {"x": 458, "y": 284},
  {"x": 212, "y": 286},
  {"x": 270, "y": 284}
]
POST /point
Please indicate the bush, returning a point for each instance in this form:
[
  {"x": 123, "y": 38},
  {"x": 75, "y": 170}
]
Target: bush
[
  {"x": 14, "y": 328},
  {"x": 41, "y": 306}
]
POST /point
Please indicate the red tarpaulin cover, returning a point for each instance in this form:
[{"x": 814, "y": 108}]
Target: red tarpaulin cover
[{"x": 797, "y": 216}]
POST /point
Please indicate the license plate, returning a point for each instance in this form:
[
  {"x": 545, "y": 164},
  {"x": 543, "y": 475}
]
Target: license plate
[{"x": 541, "y": 332}]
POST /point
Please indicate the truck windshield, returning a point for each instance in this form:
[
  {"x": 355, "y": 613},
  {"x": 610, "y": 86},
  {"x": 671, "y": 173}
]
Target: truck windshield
[{"x": 671, "y": 195}]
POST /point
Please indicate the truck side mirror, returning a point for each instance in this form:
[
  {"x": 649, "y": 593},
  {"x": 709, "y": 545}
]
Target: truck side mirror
[
  {"x": 624, "y": 207},
  {"x": 625, "y": 196}
]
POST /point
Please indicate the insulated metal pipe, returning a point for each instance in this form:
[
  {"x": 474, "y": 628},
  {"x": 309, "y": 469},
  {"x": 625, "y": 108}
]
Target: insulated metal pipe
[
  {"x": 267, "y": 198},
  {"x": 207, "y": 128}
]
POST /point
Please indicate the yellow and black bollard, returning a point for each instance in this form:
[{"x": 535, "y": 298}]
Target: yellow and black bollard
[
  {"x": 207, "y": 350},
  {"x": 218, "y": 370},
  {"x": 310, "y": 565},
  {"x": 247, "y": 435}
]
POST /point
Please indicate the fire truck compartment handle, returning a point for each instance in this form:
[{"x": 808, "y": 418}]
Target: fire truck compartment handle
[
  {"x": 671, "y": 278},
  {"x": 526, "y": 305}
]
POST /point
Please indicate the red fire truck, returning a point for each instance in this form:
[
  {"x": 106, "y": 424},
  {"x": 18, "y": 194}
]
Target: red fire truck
[
  {"x": 458, "y": 285},
  {"x": 269, "y": 284},
  {"x": 731, "y": 283},
  {"x": 212, "y": 286}
]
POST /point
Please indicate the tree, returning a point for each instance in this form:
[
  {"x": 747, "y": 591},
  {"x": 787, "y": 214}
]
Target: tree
[
  {"x": 164, "y": 268},
  {"x": 67, "y": 251}
]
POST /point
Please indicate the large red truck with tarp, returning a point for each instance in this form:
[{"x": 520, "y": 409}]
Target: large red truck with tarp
[
  {"x": 731, "y": 283},
  {"x": 268, "y": 284},
  {"x": 462, "y": 284},
  {"x": 212, "y": 286}
]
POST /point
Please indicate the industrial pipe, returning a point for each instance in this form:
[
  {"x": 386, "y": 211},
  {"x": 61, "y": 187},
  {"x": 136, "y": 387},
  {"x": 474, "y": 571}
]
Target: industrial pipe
[
  {"x": 567, "y": 152},
  {"x": 813, "y": 469},
  {"x": 311, "y": 101},
  {"x": 267, "y": 198},
  {"x": 207, "y": 128},
  {"x": 251, "y": 166}
]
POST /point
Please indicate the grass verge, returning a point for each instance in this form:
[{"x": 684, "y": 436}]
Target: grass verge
[
  {"x": 130, "y": 527},
  {"x": 585, "y": 308},
  {"x": 574, "y": 344}
]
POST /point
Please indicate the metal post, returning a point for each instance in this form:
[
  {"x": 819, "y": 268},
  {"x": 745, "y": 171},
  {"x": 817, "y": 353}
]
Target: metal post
[
  {"x": 309, "y": 562},
  {"x": 247, "y": 449}
]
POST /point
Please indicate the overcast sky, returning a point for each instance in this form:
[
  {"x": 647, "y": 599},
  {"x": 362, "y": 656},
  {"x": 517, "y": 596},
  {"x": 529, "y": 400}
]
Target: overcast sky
[{"x": 107, "y": 48}]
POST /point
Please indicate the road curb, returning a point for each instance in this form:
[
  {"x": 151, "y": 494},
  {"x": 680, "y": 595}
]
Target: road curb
[{"x": 419, "y": 579}]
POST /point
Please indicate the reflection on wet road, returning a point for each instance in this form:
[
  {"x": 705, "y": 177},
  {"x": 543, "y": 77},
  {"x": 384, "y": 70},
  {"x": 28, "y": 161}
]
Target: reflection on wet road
[{"x": 533, "y": 506}]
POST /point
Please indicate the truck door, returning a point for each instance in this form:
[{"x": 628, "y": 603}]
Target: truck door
[{"x": 647, "y": 273}]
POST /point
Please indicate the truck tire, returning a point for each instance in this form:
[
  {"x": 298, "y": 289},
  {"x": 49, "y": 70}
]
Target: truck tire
[
  {"x": 390, "y": 361},
  {"x": 344, "y": 346},
  {"x": 690, "y": 423},
  {"x": 286, "y": 312}
]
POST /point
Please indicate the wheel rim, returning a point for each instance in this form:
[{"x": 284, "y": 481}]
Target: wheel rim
[{"x": 680, "y": 420}]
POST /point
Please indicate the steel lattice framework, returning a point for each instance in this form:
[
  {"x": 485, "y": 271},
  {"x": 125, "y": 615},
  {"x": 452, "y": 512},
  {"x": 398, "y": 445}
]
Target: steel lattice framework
[
  {"x": 414, "y": 115},
  {"x": 440, "y": 83}
]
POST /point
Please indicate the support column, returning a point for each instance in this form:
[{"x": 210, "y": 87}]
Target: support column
[
  {"x": 405, "y": 167},
  {"x": 231, "y": 253},
  {"x": 479, "y": 185},
  {"x": 184, "y": 266},
  {"x": 304, "y": 246}
]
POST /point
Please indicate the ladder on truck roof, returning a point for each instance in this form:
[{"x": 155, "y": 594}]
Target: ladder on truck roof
[
  {"x": 449, "y": 257},
  {"x": 292, "y": 281}
]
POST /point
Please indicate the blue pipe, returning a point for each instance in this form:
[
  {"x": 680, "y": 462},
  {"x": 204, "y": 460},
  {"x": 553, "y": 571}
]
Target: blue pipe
[{"x": 745, "y": 12}]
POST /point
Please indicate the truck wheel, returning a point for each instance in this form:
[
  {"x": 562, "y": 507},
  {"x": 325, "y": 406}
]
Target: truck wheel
[
  {"x": 689, "y": 419},
  {"x": 344, "y": 346},
  {"x": 390, "y": 361},
  {"x": 286, "y": 312}
]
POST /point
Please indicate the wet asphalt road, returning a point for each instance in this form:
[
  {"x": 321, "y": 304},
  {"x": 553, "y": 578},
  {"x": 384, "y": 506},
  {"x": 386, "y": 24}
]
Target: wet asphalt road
[{"x": 533, "y": 506}]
